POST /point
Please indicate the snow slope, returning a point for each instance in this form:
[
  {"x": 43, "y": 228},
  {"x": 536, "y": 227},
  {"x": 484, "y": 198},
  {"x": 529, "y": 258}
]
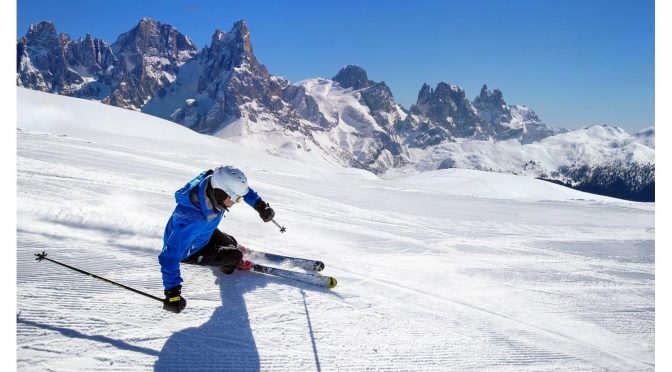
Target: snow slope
[{"x": 445, "y": 270}]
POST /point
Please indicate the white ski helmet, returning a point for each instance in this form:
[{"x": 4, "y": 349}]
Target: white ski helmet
[{"x": 231, "y": 180}]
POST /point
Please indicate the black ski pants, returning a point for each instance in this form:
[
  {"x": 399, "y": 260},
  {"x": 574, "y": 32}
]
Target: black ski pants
[{"x": 219, "y": 251}]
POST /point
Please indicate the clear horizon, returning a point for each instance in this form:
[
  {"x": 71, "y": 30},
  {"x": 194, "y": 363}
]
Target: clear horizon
[{"x": 574, "y": 63}]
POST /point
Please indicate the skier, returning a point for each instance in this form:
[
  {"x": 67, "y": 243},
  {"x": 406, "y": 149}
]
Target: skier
[{"x": 192, "y": 236}]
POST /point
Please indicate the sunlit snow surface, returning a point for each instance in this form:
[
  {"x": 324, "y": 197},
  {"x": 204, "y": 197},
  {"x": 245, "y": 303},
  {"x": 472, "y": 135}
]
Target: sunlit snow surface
[{"x": 445, "y": 270}]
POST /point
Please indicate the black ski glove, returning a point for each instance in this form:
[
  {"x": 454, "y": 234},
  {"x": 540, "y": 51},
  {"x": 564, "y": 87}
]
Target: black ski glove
[
  {"x": 174, "y": 301},
  {"x": 265, "y": 211}
]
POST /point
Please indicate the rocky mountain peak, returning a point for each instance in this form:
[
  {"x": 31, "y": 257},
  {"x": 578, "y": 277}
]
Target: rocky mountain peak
[
  {"x": 243, "y": 32},
  {"x": 489, "y": 99},
  {"x": 379, "y": 97},
  {"x": 148, "y": 23},
  {"x": 448, "y": 91},
  {"x": 93, "y": 54},
  {"x": 236, "y": 85},
  {"x": 424, "y": 94},
  {"x": 353, "y": 76},
  {"x": 42, "y": 60},
  {"x": 147, "y": 59},
  {"x": 44, "y": 29},
  {"x": 443, "y": 95},
  {"x": 238, "y": 36},
  {"x": 44, "y": 36},
  {"x": 234, "y": 49},
  {"x": 155, "y": 39},
  {"x": 446, "y": 113}
]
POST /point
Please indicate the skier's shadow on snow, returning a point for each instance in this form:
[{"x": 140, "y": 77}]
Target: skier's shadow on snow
[{"x": 225, "y": 341}]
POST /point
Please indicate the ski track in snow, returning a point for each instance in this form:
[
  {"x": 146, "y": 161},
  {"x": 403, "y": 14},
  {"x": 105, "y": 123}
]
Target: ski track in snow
[{"x": 427, "y": 281}]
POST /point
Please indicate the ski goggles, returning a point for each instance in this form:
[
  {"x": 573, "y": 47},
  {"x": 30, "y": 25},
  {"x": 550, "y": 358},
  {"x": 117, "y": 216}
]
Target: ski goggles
[
  {"x": 236, "y": 198},
  {"x": 221, "y": 196}
]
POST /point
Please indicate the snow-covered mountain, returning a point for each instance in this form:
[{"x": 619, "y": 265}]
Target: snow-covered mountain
[
  {"x": 223, "y": 90},
  {"x": 127, "y": 73},
  {"x": 362, "y": 117},
  {"x": 584, "y": 158},
  {"x": 449, "y": 269},
  {"x": 52, "y": 62}
]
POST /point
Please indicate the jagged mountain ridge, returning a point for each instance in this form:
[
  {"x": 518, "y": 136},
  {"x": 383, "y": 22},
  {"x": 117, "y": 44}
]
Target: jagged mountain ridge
[
  {"x": 223, "y": 90},
  {"x": 142, "y": 72},
  {"x": 126, "y": 73}
]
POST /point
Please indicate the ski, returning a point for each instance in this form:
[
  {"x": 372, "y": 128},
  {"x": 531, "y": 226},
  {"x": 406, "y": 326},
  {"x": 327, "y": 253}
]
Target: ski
[
  {"x": 277, "y": 258},
  {"x": 310, "y": 278}
]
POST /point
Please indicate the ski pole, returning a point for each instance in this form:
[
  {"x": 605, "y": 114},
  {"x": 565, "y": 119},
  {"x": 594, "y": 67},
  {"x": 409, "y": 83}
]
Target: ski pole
[
  {"x": 282, "y": 228},
  {"x": 43, "y": 256}
]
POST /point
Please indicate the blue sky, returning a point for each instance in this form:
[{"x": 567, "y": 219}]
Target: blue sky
[{"x": 574, "y": 63}]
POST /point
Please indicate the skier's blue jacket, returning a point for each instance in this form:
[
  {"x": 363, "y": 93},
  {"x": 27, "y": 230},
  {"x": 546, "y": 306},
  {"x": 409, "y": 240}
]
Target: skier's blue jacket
[{"x": 190, "y": 227}]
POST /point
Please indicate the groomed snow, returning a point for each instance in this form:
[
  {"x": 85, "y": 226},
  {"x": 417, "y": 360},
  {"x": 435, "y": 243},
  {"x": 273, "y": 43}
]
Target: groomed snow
[{"x": 446, "y": 270}]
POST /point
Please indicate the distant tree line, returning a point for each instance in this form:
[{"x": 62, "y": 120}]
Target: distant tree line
[{"x": 634, "y": 182}]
